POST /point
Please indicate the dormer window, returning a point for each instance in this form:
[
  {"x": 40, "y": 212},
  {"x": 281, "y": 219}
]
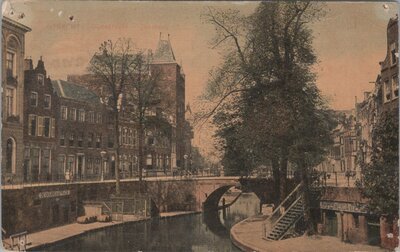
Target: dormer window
[
  {"x": 40, "y": 79},
  {"x": 393, "y": 57}
]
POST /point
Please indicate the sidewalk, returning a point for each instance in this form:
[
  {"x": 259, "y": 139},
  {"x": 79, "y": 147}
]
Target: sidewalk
[
  {"x": 42, "y": 238},
  {"x": 247, "y": 235}
]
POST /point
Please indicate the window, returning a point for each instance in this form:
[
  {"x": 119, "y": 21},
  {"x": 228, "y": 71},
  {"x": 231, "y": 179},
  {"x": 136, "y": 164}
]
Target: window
[
  {"x": 64, "y": 113},
  {"x": 61, "y": 163},
  {"x": 10, "y": 101},
  {"x": 81, "y": 115},
  {"x": 70, "y": 163},
  {"x": 395, "y": 86},
  {"x": 80, "y": 139},
  {"x": 97, "y": 168},
  {"x": 99, "y": 120},
  {"x": 34, "y": 99},
  {"x": 40, "y": 126},
  {"x": 35, "y": 169},
  {"x": 62, "y": 138},
  {"x": 46, "y": 126},
  {"x": 124, "y": 131},
  {"x": 46, "y": 160},
  {"x": 32, "y": 125},
  {"x": 72, "y": 114},
  {"x": 53, "y": 127},
  {"x": 71, "y": 139},
  {"x": 10, "y": 155},
  {"x": 89, "y": 165},
  {"x": 98, "y": 140},
  {"x": 130, "y": 137},
  {"x": 393, "y": 53},
  {"x": 47, "y": 101},
  {"x": 110, "y": 140},
  {"x": 10, "y": 64},
  {"x": 90, "y": 140},
  {"x": 40, "y": 79},
  {"x": 387, "y": 90},
  {"x": 90, "y": 117}
]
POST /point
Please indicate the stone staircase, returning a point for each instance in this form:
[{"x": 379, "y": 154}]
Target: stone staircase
[
  {"x": 285, "y": 216},
  {"x": 291, "y": 210}
]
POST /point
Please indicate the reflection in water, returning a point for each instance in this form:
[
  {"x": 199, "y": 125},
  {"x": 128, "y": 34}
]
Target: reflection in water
[{"x": 197, "y": 232}]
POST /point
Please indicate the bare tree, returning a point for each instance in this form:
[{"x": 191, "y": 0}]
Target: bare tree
[
  {"x": 111, "y": 67},
  {"x": 144, "y": 95}
]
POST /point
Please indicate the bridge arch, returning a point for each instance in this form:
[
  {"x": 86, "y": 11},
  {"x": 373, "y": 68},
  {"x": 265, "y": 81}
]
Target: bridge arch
[{"x": 212, "y": 201}]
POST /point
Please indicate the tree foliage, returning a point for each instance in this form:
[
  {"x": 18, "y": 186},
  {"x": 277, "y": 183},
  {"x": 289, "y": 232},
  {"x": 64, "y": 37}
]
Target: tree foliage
[
  {"x": 268, "y": 107},
  {"x": 381, "y": 176}
]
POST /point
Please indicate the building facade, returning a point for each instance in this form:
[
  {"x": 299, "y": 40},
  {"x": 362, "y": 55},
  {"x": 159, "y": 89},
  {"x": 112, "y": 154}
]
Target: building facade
[
  {"x": 13, "y": 53},
  {"x": 85, "y": 143},
  {"x": 388, "y": 81},
  {"x": 172, "y": 90},
  {"x": 41, "y": 108}
]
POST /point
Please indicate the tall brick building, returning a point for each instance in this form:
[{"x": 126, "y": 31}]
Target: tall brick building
[
  {"x": 172, "y": 86},
  {"x": 13, "y": 53},
  {"x": 40, "y": 116}
]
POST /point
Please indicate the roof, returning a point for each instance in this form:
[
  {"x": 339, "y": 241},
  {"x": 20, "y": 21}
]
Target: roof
[
  {"x": 69, "y": 90},
  {"x": 16, "y": 24},
  {"x": 164, "y": 52}
]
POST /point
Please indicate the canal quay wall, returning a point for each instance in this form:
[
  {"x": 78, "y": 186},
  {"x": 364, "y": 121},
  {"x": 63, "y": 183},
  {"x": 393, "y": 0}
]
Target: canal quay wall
[
  {"x": 35, "y": 208},
  {"x": 344, "y": 218}
]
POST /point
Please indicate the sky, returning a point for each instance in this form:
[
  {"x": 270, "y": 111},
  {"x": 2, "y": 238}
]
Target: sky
[{"x": 349, "y": 41}]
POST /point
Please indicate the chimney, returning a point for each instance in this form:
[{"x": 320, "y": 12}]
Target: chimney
[{"x": 28, "y": 65}]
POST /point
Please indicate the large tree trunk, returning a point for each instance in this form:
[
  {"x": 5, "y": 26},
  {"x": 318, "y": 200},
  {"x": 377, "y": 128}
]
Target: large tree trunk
[
  {"x": 283, "y": 174},
  {"x": 308, "y": 219},
  {"x": 276, "y": 176},
  {"x": 141, "y": 150},
  {"x": 117, "y": 150}
]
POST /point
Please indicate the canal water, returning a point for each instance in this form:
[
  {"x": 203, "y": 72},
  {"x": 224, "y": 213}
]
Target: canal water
[{"x": 197, "y": 232}]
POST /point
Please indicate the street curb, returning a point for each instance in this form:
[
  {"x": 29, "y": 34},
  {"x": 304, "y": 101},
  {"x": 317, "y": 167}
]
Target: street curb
[{"x": 239, "y": 243}]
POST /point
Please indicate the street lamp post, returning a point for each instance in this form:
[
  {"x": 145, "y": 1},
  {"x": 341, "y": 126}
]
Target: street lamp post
[{"x": 103, "y": 158}]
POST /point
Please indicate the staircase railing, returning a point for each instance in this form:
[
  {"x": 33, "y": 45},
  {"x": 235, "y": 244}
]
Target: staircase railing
[{"x": 285, "y": 205}]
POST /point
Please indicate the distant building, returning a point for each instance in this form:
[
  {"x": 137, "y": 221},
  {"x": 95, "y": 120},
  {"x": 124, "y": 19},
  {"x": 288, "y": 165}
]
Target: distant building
[
  {"x": 12, "y": 107},
  {"x": 83, "y": 134},
  {"x": 41, "y": 112},
  {"x": 388, "y": 82}
]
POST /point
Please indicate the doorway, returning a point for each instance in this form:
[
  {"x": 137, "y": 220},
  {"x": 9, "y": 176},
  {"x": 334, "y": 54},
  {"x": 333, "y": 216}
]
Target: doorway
[
  {"x": 331, "y": 225},
  {"x": 56, "y": 214}
]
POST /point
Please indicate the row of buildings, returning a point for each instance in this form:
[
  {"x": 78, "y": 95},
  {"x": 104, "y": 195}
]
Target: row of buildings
[
  {"x": 344, "y": 211},
  {"x": 60, "y": 129},
  {"x": 353, "y": 135}
]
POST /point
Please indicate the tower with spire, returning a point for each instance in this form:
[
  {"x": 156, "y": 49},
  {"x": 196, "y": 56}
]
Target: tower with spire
[{"x": 172, "y": 89}]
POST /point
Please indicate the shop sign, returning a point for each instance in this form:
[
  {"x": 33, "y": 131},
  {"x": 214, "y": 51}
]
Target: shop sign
[
  {"x": 344, "y": 206},
  {"x": 53, "y": 194}
]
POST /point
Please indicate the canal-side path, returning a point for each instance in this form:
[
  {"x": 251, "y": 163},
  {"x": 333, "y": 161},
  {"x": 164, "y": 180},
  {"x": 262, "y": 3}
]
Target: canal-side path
[
  {"x": 247, "y": 235},
  {"x": 40, "y": 239}
]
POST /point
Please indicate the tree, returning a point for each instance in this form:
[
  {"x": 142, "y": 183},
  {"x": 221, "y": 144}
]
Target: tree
[
  {"x": 381, "y": 176},
  {"x": 276, "y": 110},
  {"x": 125, "y": 80},
  {"x": 111, "y": 67},
  {"x": 144, "y": 95}
]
